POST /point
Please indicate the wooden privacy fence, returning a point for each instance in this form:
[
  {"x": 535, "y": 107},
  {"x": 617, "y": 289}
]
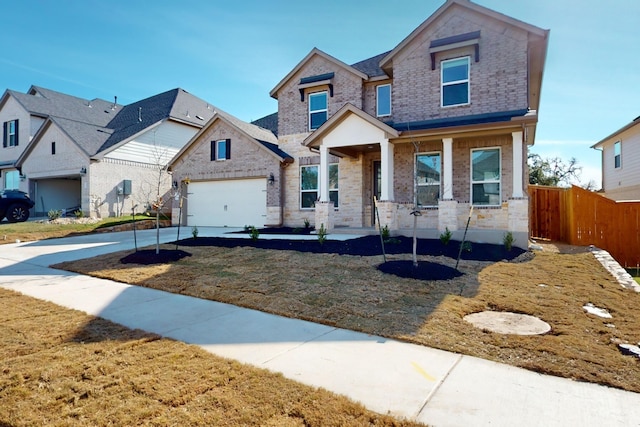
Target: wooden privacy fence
[{"x": 580, "y": 217}]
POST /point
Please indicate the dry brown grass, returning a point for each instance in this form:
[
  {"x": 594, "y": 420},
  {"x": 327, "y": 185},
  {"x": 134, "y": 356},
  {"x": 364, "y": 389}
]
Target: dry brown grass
[
  {"x": 62, "y": 367},
  {"x": 349, "y": 292}
]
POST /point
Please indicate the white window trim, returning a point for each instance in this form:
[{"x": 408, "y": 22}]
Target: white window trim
[
  {"x": 467, "y": 81},
  {"x": 325, "y": 110},
  {"x": 619, "y": 144},
  {"x": 415, "y": 171},
  {"x": 224, "y": 143},
  {"x": 498, "y": 181},
  {"x": 378, "y": 100},
  {"x": 12, "y": 134},
  {"x": 317, "y": 189}
]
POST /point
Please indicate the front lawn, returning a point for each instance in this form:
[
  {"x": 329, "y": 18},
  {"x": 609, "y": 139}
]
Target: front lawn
[
  {"x": 349, "y": 291},
  {"x": 62, "y": 367}
]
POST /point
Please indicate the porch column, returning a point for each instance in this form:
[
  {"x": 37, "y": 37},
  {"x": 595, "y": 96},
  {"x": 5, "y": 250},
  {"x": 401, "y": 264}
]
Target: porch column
[
  {"x": 517, "y": 165},
  {"x": 323, "y": 174},
  {"x": 447, "y": 160},
  {"x": 386, "y": 154}
]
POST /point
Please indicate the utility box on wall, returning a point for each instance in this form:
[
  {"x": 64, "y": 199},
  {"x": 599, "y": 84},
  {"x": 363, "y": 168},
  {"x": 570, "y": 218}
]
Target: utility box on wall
[{"x": 126, "y": 187}]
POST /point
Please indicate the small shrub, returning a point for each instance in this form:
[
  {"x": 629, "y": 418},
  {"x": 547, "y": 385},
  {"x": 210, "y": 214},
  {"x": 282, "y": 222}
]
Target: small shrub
[
  {"x": 54, "y": 214},
  {"x": 307, "y": 224},
  {"x": 385, "y": 233},
  {"x": 445, "y": 237},
  {"x": 254, "y": 232},
  {"x": 466, "y": 246},
  {"x": 297, "y": 230},
  {"x": 247, "y": 229},
  {"x": 322, "y": 234},
  {"x": 508, "y": 241},
  {"x": 79, "y": 214},
  {"x": 194, "y": 232}
]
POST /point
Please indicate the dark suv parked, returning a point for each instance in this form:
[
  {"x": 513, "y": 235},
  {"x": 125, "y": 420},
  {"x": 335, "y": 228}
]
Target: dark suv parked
[{"x": 15, "y": 205}]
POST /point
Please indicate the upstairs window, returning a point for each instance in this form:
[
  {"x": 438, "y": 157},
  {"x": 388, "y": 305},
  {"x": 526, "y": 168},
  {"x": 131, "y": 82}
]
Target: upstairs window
[
  {"x": 485, "y": 177},
  {"x": 309, "y": 185},
  {"x": 383, "y": 100},
  {"x": 455, "y": 82},
  {"x": 318, "y": 109},
  {"x": 221, "y": 150},
  {"x": 617, "y": 155},
  {"x": 10, "y": 138},
  {"x": 428, "y": 167}
]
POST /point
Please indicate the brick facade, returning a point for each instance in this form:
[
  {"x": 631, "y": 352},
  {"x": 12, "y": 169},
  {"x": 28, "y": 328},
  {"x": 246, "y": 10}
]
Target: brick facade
[{"x": 498, "y": 83}]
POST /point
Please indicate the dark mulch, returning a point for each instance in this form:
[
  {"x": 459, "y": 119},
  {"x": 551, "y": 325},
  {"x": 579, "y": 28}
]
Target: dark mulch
[
  {"x": 362, "y": 246},
  {"x": 423, "y": 271},
  {"x": 366, "y": 246},
  {"x": 149, "y": 256},
  {"x": 279, "y": 230}
]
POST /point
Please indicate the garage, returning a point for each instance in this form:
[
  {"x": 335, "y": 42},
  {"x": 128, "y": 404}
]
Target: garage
[{"x": 229, "y": 203}]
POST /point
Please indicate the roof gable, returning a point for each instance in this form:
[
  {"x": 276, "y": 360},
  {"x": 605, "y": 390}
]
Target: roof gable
[
  {"x": 248, "y": 130},
  {"x": 386, "y": 63},
  {"x": 176, "y": 104},
  {"x": 348, "y": 110},
  {"x": 616, "y": 134},
  {"x": 306, "y": 59}
]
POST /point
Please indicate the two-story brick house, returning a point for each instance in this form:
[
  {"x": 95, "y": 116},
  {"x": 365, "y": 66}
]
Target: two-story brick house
[{"x": 454, "y": 104}]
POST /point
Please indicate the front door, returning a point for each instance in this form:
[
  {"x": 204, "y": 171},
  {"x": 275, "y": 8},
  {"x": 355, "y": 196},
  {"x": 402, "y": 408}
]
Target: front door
[{"x": 377, "y": 185}]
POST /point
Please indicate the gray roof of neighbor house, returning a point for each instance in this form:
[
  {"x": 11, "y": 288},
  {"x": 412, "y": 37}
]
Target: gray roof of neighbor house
[
  {"x": 268, "y": 122},
  {"x": 49, "y": 103},
  {"x": 371, "y": 66},
  {"x": 176, "y": 104}
]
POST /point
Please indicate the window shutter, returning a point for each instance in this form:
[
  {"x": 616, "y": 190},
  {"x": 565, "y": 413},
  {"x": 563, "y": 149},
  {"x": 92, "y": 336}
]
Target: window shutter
[
  {"x": 17, "y": 127},
  {"x": 228, "y": 144},
  {"x": 213, "y": 151},
  {"x": 5, "y": 134}
]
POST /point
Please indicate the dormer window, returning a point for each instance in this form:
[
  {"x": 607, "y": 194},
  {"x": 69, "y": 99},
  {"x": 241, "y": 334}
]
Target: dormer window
[
  {"x": 455, "y": 82},
  {"x": 318, "y": 109}
]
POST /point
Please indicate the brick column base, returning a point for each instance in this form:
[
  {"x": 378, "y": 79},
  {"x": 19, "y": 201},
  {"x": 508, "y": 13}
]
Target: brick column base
[
  {"x": 325, "y": 216},
  {"x": 387, "y": 212},
  {"x": 447, "y": 215}
]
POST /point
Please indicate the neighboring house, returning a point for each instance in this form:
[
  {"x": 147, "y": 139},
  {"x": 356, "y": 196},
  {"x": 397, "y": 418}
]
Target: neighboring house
[
  {"x": 455, "y": 103},
  {"x": 621, "y": 162},
  {"x": 98, "y": 156}
]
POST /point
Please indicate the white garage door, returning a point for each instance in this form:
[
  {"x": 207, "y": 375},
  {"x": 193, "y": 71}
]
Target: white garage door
[{"x": 233, "y": 203}]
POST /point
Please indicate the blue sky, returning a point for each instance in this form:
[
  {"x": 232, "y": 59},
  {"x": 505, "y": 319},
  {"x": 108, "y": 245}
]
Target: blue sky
[{"x": 232, "y": 54}]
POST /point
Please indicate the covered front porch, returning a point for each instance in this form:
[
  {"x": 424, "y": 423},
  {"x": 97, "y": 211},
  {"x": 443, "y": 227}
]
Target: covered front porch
[{"x": 385, "y": 164}]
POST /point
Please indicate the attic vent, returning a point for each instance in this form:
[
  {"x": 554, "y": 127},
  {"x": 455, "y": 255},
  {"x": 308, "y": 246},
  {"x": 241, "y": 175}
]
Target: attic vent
[
  {"x": 89, "y": 104},
  {"x": 200, "y": 118},
  {"x": 115, "y": 102},
  {"x": 188, "y": 114},
  {"x": 139, "y": 114}
]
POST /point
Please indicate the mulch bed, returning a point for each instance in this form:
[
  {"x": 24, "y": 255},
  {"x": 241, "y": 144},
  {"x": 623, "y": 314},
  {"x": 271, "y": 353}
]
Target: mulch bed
[{"x": 362, "y": 246}]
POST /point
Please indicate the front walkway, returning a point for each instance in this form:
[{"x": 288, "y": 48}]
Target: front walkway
[{"x": 387, "y": 376}]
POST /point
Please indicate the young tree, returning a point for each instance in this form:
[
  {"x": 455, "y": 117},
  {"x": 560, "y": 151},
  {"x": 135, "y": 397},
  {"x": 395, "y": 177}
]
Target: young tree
[{"x": 552, "y": 171}]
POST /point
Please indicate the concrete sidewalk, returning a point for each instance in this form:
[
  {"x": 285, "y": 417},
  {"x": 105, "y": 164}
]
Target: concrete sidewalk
[{"x": 387, "y": 376}]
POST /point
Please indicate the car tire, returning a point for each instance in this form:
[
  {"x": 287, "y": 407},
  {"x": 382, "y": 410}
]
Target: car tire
[{"x": 17, "y": 213}]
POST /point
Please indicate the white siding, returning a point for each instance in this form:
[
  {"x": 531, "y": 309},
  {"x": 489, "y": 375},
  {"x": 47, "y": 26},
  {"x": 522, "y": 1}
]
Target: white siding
[
  {"x": 157, "y": 145},
  {"x": 616, "y": 182}
]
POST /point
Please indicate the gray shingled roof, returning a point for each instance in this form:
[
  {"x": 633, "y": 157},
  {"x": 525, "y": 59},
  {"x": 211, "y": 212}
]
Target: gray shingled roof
[
  {"x": 91, "y": 136},
  {"x": 268, "y": 122},
  {"x": 371, "y": 66},
  {"x": 177, "y": 104},
  {"x": 48, "y": 103}
]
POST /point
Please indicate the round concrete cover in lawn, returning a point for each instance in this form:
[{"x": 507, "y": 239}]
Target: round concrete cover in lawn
[{"x": 508, "y": 323}]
